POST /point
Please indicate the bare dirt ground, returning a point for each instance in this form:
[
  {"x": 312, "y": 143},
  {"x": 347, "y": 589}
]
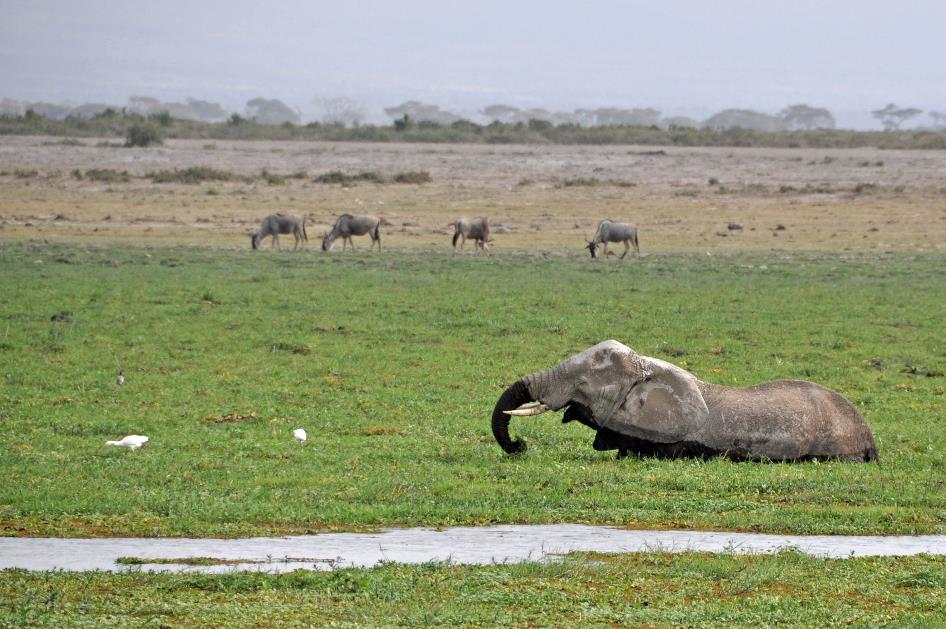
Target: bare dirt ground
[{"x": 546, "y": 198}]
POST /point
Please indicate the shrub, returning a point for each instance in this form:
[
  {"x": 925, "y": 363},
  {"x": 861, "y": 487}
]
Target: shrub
[
  {"x": 581, "y": 181},
  {"x": 194, "y": 174},
  {"x": 163, "y": 118},
  {"x": 403, "y": 123},
  {"x": 337, "y": 176},
  {"x": 413, "y": 176},
  {"x": 272, "y": 178},
  {"x": 107, "y": 175},
  {"x": 145, "y": 134}
]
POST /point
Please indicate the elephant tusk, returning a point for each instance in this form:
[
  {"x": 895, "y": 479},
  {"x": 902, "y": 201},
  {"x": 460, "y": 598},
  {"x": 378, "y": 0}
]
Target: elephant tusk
[
  {"x": 532, "y": 408},
  {"x": 530, "y": 404}
]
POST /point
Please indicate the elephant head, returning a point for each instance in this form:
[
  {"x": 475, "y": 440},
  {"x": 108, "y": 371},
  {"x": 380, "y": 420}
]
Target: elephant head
[
  {"x": 651, "y": 407},
  {"x": 607, "y": 387}
]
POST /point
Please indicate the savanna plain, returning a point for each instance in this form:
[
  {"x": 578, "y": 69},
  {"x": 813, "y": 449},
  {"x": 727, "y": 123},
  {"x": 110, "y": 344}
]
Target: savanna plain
[{"x": 756, "y": 264}]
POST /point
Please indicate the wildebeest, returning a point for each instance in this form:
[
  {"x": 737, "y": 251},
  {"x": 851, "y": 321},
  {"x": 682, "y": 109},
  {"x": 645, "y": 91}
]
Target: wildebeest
[
  {"x": 476, "y": 229},
  {"x": 610, "y": 231},
  {"x": 347, "y": 226},
  {"x": 276, "y": 224}
]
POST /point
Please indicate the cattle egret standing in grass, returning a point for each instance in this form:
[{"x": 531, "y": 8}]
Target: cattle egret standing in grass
[
  {"x": 300, "y": 435},
  {"x": 132, "y": 442},
  {"x": 120, "y": 379}
]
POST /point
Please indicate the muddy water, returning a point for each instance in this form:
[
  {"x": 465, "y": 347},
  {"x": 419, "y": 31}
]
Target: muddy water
[{"x": 462, "y": 545}]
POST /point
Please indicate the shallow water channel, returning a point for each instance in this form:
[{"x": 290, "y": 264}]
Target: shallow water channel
[{"x": 462, "y": 545}]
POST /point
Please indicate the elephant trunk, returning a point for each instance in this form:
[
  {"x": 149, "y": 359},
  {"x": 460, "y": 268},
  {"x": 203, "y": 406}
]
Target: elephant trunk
[
  {"x": 551, "y": 387},
  {"x": 513, "y": 397}
]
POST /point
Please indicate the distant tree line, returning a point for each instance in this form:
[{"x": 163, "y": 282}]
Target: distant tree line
[
  {"x": 264, "y": 111},
  {"x": 346, "y": 112},
  {"x": 144, "y": 130}
]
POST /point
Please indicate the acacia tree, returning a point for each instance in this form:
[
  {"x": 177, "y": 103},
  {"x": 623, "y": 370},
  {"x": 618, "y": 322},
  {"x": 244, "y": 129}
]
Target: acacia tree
[
  {"x": 803, "y": 116},
  {"x": 744, "y": 119},
  {"x": 191, "y": 109},
  {"x": 639, "y": 117},
  {"x": 341, "y": 110},
  {"x": 939, "y": 119},
  {"x": 421, "y": 112},
  {"x": 271, "y": 111},
  {"x": 501, "y": 113},
  {"x": 892, "y": 116}
]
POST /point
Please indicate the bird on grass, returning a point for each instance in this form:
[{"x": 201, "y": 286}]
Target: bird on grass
[
  {"x": 132, "y": 442},
  {"x": 300, "y": 435},
  {"x": 120, "y": 378}
]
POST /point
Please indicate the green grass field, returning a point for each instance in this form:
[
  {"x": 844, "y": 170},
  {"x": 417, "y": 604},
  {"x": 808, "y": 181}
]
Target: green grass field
[
  {"x": 691, "y": 589},
  {"x": 393, "y": 362}
]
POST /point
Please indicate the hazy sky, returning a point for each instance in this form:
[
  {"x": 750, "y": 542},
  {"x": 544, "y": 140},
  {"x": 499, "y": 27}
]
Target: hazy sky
[{"x": 690, "y": 57}]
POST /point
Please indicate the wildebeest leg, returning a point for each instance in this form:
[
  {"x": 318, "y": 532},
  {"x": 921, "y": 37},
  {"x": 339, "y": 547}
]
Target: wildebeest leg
[
  {"x": 275, "y": 243},
  {"x": 605, "y": 243},
  {"x": 627, "y": 247}
]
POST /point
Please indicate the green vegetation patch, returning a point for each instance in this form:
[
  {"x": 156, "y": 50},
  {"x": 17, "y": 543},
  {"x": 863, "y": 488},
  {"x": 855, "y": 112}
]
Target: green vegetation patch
[
  {"x": 145, "y": 134},
  {"x": 392, "y": 363},
  {"x": 689, "y": 589},
  {"x": 413, "y": 176},
  {"x": 191, "y": 175},
  {"x": 337, "y": 176},
  {"x": 107, "y": 175}
]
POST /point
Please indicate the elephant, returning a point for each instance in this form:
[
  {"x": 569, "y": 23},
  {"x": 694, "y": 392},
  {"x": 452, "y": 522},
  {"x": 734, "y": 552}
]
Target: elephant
[{"x": 649, "y": 407}]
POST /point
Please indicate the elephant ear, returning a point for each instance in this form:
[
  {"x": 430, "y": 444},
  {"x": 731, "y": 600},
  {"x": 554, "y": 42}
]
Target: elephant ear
[{"x": 665, "y": 406}]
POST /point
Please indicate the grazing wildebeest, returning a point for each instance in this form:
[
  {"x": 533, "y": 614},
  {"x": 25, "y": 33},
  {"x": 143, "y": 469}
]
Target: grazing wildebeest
[
  {"x": 476, "y": 229},
  {"x": 276, "y": 224},
  {"x": 347, "y": 226},
  {"x": 610, "y": 231}
]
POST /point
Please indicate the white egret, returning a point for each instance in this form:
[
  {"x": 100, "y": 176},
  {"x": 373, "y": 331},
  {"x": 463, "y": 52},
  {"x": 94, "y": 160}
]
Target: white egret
[{"x": 132, "y": 442}]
